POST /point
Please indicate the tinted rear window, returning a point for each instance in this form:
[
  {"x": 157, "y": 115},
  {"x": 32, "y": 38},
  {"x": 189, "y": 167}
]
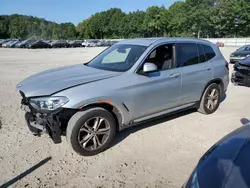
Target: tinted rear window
[
  {"x": 210, "y": 54},
  {"x": 188, "y": 54}
]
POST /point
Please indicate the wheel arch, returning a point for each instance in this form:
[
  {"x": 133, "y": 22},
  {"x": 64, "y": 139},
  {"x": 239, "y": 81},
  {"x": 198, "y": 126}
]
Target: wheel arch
[
  {"x": 110, "y": 107},
  {"x": 217, "y": 81}
]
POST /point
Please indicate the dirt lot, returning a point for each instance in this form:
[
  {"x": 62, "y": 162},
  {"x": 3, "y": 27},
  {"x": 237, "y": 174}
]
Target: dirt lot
[{"x": 161, "y": 153}]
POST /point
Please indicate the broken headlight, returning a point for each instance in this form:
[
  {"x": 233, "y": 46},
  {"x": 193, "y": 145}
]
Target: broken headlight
[{"x": 48, "y": 103}]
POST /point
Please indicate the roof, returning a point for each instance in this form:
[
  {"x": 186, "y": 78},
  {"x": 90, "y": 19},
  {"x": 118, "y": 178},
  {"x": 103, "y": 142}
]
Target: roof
[{"x": 149, "y": 41}]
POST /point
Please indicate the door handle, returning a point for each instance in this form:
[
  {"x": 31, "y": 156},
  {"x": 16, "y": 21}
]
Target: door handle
[{"x": 175, "y": 75}]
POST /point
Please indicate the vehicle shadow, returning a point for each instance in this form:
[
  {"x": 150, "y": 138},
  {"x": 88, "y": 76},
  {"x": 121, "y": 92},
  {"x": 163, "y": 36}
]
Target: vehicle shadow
[
  {"x": 27, "y": 172},
  {"x": 125, "y": 133}
]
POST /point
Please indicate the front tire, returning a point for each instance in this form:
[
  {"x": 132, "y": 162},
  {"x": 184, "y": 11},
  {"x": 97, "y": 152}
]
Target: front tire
[
  {"x": 91, "y": 132},
  {"x": 210, "y": 100}
]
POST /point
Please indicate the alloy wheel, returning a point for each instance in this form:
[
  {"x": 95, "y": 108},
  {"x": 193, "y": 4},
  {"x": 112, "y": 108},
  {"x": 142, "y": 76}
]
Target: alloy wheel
[
  {"x": 94, "y": 133},
  {"x": 212, "y": 99}
]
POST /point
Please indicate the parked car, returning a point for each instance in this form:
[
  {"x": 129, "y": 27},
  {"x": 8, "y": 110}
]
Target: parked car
[
  {"x": 226, "y": 164},
  {"x": 75, "y": 44},
  {"x": 27, "y": 43},
  {"x": 10, "y": 44},
  {"x": 240, "y": 54},
  {"x": 23, "y": 44},
  {"x": 90, "y": 43},
  {"x": 39, "y": 44},
  {"x": 4, "y": 41},
  {"x": 241, "y": 74},
  {"x": 110, "y": 43},
  {"x": 127, "y": 84},
  {"x": 17, "y": 44},
  {"x": 59, "y": 44}
]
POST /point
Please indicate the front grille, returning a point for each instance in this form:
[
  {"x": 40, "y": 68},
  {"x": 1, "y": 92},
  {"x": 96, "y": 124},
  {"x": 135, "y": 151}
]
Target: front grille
[
  {"x": 245, "y": 72},
  {"x": 244, "y": 65}
]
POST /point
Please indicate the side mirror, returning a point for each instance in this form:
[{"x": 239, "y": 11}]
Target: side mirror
[{"x": 149, "y": 67}]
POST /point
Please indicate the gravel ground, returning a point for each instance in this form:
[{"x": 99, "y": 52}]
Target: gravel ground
[{"x": 161, "y": 153}]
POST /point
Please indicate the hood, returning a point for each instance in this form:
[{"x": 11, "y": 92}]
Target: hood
[
  {"x": 245, "y": 62},
  {"x": 55, "y": 80},
  {"x": 241, "y": 53},
  {"x": 224, "y": 159}
]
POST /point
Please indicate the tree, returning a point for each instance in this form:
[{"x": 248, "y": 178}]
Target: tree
[
  {"x": 68, "y": 31},
  {"x": 232, "y": 18},
  {"x": 17, "y": 28},
  {"x": 192, "y": 18},
  {"x": 4, "y": 27},
  {"x": 199, "y": 16},
  {"x": 132, "y": 25},
  {"x": 153, "y": 22},
  {"x": 177, "y": 20}
]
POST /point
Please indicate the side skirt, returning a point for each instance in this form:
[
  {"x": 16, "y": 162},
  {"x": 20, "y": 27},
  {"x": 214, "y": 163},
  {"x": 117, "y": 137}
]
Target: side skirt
[{"x": 159, "y": 114}]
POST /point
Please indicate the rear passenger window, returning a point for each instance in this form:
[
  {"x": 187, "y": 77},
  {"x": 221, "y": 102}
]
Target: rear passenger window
[
  {"x": 187, "y": 54},
  {"x": 202, "y": 54},
  {"x": 210, "y": 54}
]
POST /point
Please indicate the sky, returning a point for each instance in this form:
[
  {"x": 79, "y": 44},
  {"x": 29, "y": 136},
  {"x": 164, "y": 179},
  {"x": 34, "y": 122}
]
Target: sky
[{"x": 73, "y": 10}]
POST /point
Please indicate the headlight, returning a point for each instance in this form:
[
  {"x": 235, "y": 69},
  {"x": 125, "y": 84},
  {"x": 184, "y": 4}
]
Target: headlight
[
  {"x": 48, "y": 103},
  {"x": 231, "y": 55}
]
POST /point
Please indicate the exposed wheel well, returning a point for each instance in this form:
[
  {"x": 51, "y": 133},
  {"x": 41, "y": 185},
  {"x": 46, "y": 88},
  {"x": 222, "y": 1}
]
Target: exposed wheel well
[{"x": 110, "y": 108}]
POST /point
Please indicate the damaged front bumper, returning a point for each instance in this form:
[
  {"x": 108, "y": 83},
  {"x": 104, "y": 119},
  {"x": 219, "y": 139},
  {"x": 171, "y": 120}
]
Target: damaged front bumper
[
  {"x": 53, "y": 123},
  {"x": 241, "y": 75},
  {"x": 44, "y": 123}
]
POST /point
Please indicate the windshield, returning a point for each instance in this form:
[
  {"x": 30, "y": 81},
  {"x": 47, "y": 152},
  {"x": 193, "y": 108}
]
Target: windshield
[{"x": 118, "y": 58}]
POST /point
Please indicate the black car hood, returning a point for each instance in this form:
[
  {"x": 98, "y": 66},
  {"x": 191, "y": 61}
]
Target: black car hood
[
  {"x": 55, "y": 80},
  {"x": 241, "y": 53},
  {"x": 245, "y": 62},
  {"x": 227, "y": 164}
]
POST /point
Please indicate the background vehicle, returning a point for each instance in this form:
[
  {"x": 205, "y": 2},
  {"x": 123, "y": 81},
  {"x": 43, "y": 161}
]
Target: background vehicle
[
  {"x": 10, "y": 43},
  {"x": 59, "y": 44},
  {"x": 39, "y": 44},
  {"x": 3, "y": 41},
  {"x": 240, "y": 54},
  {"x": 21, "y": 44},
  {"x": 75, "y": 43},
  {"x": 91, "y": 43},
  {"x": 226, "y": 164},
  {"x": 241, "y": 74},
  {"x": 90, "y": 102}
]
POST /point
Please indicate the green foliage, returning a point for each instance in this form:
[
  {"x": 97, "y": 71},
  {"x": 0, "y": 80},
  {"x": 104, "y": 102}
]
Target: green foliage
[
  {"x": 192, "y": 18},
  {"x": 4, "y": 23},
  {"x": 132, "y": 25},
  {"x": 23, "y": 27},
  {"x": 153, "y": 24}
]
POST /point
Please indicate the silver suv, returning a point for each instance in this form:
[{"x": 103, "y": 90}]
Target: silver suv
[{"x": 128, "y": 83}]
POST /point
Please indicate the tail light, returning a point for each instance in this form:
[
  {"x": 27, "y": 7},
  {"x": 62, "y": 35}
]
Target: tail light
[{"x": 227, "y": 65}]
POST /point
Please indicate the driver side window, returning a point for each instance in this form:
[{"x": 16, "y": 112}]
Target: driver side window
[{"x": 162, "y": 57}]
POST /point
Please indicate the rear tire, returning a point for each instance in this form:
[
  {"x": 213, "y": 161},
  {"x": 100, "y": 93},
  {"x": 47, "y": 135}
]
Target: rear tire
[
  {"x": 210, "y": 100},
  {"x": 91, "y": 132}
]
